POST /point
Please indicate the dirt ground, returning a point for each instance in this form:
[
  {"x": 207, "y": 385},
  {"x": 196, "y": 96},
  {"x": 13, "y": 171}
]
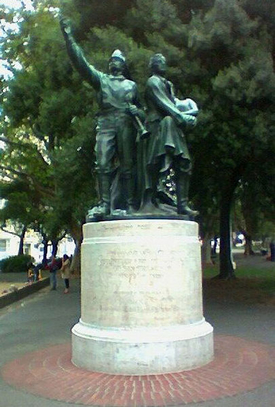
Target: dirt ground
[{"x": 245, "y": 290}]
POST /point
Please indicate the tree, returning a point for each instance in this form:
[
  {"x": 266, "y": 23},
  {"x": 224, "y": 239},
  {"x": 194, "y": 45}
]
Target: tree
[
  {"x": 46, "y": 119},
  {"x": 210, "y": 47},
  {"x": 238, "y": 124},
  {"x": 20, "y": 207},
  {"x": 257, "y": 197}
]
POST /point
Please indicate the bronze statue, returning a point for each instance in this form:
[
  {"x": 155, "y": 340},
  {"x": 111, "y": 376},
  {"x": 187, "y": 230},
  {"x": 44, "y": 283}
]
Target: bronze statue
[
  {"x": 119, "y": 120},
  {"x": 167, "y": 119},
  {"x": 120, "y": 128}
]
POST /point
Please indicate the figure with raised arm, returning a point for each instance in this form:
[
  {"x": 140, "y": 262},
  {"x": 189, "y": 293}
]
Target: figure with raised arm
[{"x": 119, "y": 114}]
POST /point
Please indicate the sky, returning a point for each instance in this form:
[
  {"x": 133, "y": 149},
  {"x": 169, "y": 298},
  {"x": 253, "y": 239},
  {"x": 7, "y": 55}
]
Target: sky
[
  {"x": 10, "y": 4},
  {"x": 14, "y": 3}
]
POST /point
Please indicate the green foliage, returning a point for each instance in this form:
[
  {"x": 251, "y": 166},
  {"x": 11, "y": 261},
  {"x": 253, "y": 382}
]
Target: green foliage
[
  {"x": 94, "y": 13},
  {"x": 45, "y": 107},
  {"x": 152, "y": 16},
  {"x": 219, "y": 52},
  {"x": 15, "y": 264}
]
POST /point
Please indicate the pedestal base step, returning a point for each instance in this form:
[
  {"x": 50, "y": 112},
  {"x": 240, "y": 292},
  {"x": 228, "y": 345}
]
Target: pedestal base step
[{"x": 142, "y": 351}]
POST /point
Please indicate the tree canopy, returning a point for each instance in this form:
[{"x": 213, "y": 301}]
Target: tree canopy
[
  {"x": 47, "y": 121},
  {"x": 219, "y": 52}
]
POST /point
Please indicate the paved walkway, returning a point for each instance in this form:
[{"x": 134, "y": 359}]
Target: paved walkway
[{"x": 35, "y": 344}]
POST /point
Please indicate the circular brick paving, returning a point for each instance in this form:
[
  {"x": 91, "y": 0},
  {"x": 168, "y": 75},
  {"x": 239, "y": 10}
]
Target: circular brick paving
[{"x": 239, "y": 365}]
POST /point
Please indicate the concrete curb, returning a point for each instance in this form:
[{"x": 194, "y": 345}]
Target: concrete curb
[{"x": 23, "y": 292}]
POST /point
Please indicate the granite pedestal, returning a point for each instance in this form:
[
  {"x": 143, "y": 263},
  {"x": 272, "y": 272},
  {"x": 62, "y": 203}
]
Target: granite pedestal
[{"x": 141, "y": 299}]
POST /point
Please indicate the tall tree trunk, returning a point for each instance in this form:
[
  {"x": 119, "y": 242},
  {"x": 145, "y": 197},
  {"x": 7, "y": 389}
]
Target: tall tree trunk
[
  {"x": 21, "y": 243},
  {"x": 248, "y": 250},
  {"x": 206, "y": 250},
  {"x": 76, "y": 233},
  {"x": 54, "y": 247},
  {"x": 75, "y": 266},
  {"x": 45, "y": 250},
  {"x": 251, "y": 212},
  {"x": 226, "y": 261}
]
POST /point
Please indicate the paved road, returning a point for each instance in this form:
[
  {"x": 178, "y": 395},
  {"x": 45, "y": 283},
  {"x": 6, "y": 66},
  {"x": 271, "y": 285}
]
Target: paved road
[{"x": 45, "y": 319}]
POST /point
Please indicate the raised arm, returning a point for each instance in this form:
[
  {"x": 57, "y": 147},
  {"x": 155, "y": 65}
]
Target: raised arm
[{"x": 87, "y": 71}]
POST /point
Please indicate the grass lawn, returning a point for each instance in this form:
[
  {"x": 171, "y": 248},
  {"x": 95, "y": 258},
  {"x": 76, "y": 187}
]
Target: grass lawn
[{"x": 255, "y": 282}]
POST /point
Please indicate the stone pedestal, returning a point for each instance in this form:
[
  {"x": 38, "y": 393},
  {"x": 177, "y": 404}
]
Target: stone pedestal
[{"x": 141, "y": 299}]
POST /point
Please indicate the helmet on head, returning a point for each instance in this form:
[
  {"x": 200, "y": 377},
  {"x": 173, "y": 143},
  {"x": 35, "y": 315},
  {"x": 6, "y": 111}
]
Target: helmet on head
[{"x": 119, "y": 55}]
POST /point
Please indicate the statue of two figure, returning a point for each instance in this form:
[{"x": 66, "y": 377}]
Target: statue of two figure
[{"x": 135, "y": 151}]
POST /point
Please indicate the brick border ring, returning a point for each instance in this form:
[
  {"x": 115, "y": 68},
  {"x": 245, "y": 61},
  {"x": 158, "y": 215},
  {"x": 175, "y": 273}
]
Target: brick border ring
[{"x": 239, "y": 366}]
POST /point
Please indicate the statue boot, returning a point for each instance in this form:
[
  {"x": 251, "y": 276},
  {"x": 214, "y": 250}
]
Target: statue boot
[
  {"x": 182, "y": 189},
  {"x": 129, "y": 186},
  {"x": 103, "y": 208},
  {"x": 149, "y": 204}
]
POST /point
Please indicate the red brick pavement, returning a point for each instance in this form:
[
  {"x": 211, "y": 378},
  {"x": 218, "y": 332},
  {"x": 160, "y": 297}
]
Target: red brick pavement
[{"x": 239, "y": 366}]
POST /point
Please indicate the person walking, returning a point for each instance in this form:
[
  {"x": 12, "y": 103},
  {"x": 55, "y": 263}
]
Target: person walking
[
  {"x": 65, "y": 272},
  {"x": 53, "y": 267}
]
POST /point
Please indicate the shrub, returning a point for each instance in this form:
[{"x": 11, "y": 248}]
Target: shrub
[{"x": 16, "y": 264}]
